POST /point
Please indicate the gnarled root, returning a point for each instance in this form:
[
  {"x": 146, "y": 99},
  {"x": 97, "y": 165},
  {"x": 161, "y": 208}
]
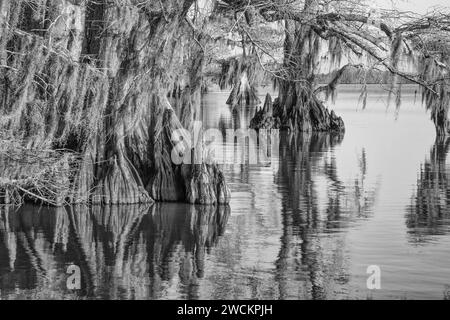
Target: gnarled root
[
  {"x": 264, "y": 118},
  {"x": 310, "y": 117},
  {"x": 119, "y": 186},
  {"x": 205, "y": 184},
  {"x": 196, "y": 183}
]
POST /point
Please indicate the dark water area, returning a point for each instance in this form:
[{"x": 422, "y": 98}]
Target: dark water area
[{"x": 305, "y": 226}]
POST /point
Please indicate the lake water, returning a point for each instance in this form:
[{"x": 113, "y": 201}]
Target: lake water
[{"x": 305, "y": 226}]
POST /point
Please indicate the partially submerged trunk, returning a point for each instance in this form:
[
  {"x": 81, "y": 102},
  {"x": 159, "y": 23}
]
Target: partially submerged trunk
[
  {"x": 314, "y": 117},
  {"x": 243, "y": 93},
  {"x": 96, "y": 82},
  {"x": 240, "y": 73},
  {"x": 297, "y": 107},
  {"x": 264, "y": 118}
]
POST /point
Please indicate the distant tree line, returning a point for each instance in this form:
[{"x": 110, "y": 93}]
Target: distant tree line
[{"x": 352, "y": 76}]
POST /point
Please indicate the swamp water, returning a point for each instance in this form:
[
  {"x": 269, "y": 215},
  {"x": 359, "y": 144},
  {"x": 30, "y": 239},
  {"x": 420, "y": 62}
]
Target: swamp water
[{"x": 306, "y": 226}]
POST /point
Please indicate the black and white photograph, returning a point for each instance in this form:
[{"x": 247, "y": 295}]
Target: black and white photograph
[{"x": 221, "y": 151}]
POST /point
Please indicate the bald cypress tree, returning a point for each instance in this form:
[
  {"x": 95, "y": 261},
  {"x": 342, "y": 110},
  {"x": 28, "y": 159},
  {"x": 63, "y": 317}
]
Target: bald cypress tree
[{"x": 93, "y": 77}]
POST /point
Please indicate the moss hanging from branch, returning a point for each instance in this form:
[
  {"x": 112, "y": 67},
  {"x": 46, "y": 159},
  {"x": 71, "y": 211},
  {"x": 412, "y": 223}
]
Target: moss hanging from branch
[{"x": 242, "y": 74}]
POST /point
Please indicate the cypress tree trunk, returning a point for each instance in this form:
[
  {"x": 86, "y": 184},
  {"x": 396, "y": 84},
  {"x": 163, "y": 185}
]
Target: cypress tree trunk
[
  {"x": 96, "y": 81},
  {"x": 243, "y": 92},
  {"x": 240, "y": 74},
  {"x": 298, "y": 108}
]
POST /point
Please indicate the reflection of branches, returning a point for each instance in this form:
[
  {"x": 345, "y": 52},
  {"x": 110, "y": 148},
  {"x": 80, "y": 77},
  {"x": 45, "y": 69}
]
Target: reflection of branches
[
  {"x": 168, "y": 227},
  {"x": 299, "y": 246},
  {"x": 117, "y": 248},
  {"x": 429, "y": 213},
  {"x": 363, "y": 199},
  {"x": 304, "y": 251}
]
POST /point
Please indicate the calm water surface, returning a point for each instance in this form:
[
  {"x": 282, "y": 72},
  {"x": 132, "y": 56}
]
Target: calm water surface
[{"x": 306, "y": 226}]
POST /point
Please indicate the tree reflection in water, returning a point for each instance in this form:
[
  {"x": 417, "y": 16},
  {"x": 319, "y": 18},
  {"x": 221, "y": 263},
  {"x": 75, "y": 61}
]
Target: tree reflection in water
[
  {"x": 307, "y": 254},
  {"x": 133, "y": 252},
  {"x": 429, "y": 213},
  {"x": 123, "y": 251},
  {"x": 179, "y": 242}
]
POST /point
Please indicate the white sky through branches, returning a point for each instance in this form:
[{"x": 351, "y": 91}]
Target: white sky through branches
[{"x": 418, "y": 6}]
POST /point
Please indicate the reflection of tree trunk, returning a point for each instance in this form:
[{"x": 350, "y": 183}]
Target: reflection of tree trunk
[
  {"x": 301, "y": 249},
  {"x": 8, "y": 246},
  {"x": 196, "y": 233},
  {"x": 431, "y": 205},
  {"x": 31, "y": 262},
  {"x": 441, "y": 122},
  {"x": 110, "y": 229},
  {"x": 307, "y": 252},
  {"x": 97, "y": 239}
]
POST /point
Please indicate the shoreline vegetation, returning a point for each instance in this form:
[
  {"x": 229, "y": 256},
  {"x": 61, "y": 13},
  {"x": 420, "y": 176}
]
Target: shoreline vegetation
[{"x": 91, "y": 92}]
